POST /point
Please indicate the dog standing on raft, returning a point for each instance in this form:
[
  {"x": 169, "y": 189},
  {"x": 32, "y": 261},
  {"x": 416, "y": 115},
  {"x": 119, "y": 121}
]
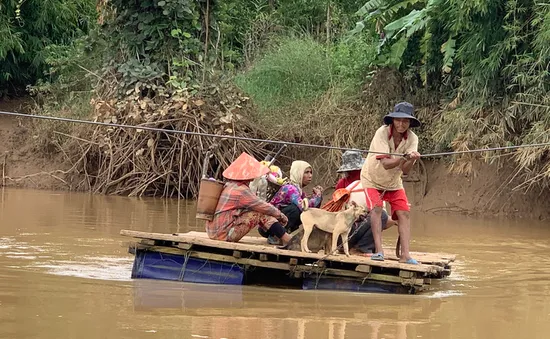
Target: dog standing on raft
[{"x": 335, "y": 223}]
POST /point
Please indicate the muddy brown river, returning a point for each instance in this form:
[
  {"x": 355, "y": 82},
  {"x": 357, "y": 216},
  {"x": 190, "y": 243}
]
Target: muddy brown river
[{"x": 65, "y": 273}]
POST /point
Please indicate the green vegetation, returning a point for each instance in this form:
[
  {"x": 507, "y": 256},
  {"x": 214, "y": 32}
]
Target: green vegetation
[
  {"x": 320, "y": 71},
  {"x": 487, "y": 59},
  {"x": 28, "y": 27},
  {"x": 297, "y": 71}
]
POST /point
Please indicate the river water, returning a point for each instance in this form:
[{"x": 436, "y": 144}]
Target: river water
[{"x": 65, "y": 273}]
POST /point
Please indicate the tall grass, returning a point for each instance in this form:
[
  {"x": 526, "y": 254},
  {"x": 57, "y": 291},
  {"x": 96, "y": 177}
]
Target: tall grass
[
  {"x": 293, "y": 70},
  {"x": 294, "y": 74}
]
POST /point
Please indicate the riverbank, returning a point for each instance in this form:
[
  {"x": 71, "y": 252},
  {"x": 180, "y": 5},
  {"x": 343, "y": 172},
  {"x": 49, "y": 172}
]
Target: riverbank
[
  {"x": 487, "y": 190},
  {"x": 21, "y": 164}
]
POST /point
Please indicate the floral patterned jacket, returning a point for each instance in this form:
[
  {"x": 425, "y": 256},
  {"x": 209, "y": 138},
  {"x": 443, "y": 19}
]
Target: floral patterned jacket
[{"x": 290, "y": 194}]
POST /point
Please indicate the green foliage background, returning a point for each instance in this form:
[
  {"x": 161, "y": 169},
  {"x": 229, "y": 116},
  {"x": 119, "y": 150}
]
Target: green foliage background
[
  {"x": 488, "y": 62},
  {"x": 28, "y": 27}
]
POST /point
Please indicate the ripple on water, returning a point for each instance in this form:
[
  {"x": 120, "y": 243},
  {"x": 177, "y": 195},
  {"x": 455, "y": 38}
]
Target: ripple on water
[
  {"x": 102, "y": 268},
  {"x": 444, "y": 294},
  {"x": 21, "y": 256},
  {"x": 90, "y": 267},
  {"x": 6, "y": 242}
]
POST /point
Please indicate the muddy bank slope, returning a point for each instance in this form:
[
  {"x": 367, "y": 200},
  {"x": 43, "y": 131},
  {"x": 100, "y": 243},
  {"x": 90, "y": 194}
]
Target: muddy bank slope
[{"x": 488, "y": 190}]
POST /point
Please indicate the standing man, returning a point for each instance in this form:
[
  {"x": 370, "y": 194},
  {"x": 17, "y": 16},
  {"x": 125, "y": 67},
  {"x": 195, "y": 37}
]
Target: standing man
[{"x": 381, "y": 176}]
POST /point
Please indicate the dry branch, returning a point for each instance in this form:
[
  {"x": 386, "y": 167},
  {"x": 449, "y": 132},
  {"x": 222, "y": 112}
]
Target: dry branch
[{"x": 137, "y": 162}]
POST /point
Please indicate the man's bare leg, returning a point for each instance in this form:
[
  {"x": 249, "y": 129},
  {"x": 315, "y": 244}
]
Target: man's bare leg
[
  {"x": 376, "y": 226},
  {"x": 404, "y": 228}
]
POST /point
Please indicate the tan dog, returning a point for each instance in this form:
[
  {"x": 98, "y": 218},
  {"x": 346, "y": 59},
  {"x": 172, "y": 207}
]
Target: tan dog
[{"x": 336, "y": 223}]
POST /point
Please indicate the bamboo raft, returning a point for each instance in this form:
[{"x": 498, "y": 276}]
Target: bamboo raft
[{"x": 193, "y": 257}]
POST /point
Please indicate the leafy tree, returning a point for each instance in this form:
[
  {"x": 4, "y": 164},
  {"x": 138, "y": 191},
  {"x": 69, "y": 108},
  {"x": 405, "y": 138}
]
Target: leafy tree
[
  {"x": 490, "y": 56},
  {"x": 27, "y": 27}
]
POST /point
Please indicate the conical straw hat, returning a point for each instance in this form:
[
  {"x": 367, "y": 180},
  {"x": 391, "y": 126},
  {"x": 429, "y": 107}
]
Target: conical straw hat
[{"x": 245, "y": 167}]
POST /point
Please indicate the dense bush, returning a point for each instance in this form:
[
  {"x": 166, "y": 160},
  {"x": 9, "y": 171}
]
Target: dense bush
[
  {"x": 488, "y": 60},
  {"x": 298, "y": 70},
  {"x": 28, "y": 27}
]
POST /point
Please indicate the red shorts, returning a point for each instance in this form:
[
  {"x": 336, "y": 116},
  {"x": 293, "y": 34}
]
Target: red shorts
[{"x": 397, "y": 199}]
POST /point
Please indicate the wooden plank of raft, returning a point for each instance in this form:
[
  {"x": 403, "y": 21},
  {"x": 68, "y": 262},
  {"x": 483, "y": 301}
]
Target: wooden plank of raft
[
  {"x": 427, "y": 258},
  {"x": 213, "y": 256},
  {"x": 202, "y": 241},
  {"x": 439, "y": 259},
  {"x": 306, "y": 269},
  {"x": 363, "y": 268},
  {"x": 407, "y": 274},
  {"x": 147, "y": 241},
  {"x": 184, "y": 246}
]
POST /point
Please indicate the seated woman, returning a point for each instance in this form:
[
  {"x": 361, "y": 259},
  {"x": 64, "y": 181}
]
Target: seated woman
[
  {"x": 239, "y": 210},
  {"x": 352, "y": 162},
  {"x": 289, "y": 197}
]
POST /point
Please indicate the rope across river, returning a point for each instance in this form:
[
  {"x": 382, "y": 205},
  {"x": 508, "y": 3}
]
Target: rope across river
[{"x": 276, "y": 142}]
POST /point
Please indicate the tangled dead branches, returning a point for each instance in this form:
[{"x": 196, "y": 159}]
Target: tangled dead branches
[{"x": 138, "y": 162}]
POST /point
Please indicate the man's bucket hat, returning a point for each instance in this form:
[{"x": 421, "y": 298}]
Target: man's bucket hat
[{"x": 402, "y": 110}]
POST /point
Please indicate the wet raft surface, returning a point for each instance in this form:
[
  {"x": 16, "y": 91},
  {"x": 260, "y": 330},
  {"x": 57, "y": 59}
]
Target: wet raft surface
[{"x": 193, "y": 257}]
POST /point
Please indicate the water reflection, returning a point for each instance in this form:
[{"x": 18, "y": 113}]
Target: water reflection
[
  {"x": 153, "y": 294},
  {"x": 253, "y": 312}
]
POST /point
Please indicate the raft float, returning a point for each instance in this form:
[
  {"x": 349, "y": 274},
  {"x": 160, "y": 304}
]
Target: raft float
[{"x": 193, "y": 257}]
